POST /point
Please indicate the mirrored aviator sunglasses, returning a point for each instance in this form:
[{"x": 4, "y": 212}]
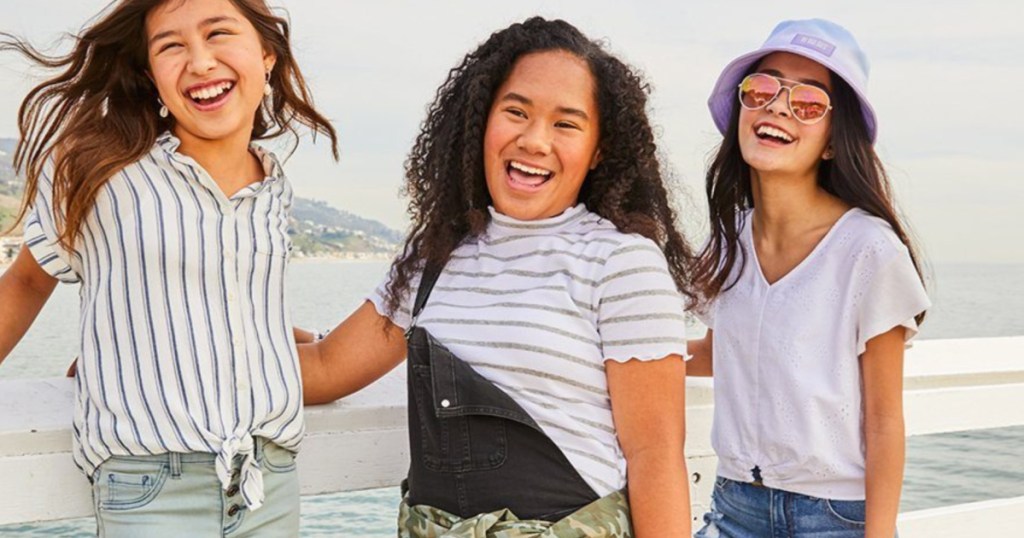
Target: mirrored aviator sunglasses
[{"x": 807, "y": 103}]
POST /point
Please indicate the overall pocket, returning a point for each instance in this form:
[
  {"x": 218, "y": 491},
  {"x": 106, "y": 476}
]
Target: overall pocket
[{"x": 462, "y": 441}]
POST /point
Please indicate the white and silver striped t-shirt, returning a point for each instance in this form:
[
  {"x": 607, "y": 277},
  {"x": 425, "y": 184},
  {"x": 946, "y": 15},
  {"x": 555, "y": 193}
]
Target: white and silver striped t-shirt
[
  {"x": 537, "y": 307},
  {"x": 185, "y": 336}
]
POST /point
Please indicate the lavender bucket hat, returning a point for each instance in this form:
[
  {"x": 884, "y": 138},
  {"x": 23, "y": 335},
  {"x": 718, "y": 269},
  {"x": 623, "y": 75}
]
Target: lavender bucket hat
[{"x": 823, "y": 41}]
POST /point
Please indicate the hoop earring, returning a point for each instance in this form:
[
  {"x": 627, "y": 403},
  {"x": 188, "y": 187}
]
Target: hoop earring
[{"x": 163, "y": 112}]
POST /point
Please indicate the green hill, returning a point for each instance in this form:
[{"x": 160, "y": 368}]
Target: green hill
[{"x": 8, "y": 209}]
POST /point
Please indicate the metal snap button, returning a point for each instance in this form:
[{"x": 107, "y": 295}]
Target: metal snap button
[
  {"x": 233, "y": 510},
  {"x": 232, "y": 491},
  {"x": 445, "y": 403}
]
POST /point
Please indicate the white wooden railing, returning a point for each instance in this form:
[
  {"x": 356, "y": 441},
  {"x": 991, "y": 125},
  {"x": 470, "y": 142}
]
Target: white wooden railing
[{"x": 361, "y": 443}]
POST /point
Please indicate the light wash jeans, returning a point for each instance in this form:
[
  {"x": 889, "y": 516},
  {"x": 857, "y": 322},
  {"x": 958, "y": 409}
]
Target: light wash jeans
[
  {"x": 741, "y": 510},
  {"x": 174, "y": 495}
]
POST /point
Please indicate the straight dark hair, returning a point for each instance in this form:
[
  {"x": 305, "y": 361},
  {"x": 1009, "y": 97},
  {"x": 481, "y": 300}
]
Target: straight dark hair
[
  {"x": 98, "y": 114},
  {"x": 855, "y": 175}
]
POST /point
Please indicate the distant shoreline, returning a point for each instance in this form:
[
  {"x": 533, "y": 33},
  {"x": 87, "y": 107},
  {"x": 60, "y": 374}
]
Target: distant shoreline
[
  {"x": 342, "y": 257},
  {"x": 345, "y": 257}
]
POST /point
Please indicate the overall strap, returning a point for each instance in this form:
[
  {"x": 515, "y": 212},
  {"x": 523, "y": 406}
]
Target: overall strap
[{"x": 430, "y": 274}]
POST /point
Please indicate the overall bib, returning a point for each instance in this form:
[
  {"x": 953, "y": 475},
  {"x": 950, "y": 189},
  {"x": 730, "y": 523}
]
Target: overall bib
[{"x": 474, "y": 450}]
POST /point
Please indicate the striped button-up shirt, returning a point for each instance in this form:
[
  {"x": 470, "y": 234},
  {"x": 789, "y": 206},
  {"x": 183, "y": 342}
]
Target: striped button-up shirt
[{"x": 185, "y": 337}]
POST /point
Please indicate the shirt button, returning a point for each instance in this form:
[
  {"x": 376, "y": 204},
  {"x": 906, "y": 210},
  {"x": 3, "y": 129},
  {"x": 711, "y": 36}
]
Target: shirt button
[{"x": 445, "y": 403}]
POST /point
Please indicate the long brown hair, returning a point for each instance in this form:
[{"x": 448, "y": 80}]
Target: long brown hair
[
  {"x": 98, "y": 114},
  {"x": 855, "y": 175},
  {"x": 445, "y": 173}
]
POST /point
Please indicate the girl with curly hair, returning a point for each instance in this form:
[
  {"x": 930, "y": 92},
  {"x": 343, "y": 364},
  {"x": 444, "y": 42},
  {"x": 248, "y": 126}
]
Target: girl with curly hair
[
  {"x": 144, "y": 187},
  {"x": 811, "y": 288},
  {"x": 540, "y": 299}
]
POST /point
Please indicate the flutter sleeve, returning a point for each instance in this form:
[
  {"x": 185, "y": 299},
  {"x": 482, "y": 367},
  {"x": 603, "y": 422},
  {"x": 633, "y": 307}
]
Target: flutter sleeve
[{"x": 893, "y": 297}]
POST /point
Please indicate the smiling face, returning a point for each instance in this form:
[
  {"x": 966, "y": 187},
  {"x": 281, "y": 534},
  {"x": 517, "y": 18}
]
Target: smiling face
[
  {"x": 209, "y": 67},
  {"x": 542, "y": 136},
  {"x": 771, "y": 139}
]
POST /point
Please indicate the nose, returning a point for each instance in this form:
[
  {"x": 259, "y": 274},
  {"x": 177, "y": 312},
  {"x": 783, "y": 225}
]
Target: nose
[
  {"x": 201, "y": 60},
  {"x": 535, "y": 139},
  {"x": 780, "y": 105}
]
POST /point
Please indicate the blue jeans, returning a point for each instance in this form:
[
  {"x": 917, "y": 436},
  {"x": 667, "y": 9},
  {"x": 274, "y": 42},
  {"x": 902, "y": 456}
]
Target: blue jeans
[
  {"x": 741, "y": 510},
  {"x": 174, "y": 495}
]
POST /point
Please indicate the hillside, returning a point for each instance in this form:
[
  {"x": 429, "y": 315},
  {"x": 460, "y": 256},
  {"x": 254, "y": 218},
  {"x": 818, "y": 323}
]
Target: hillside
[{"x": 317, "y": 228}]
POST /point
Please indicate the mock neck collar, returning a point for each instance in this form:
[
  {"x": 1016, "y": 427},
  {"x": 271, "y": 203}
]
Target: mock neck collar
[{"x": 504, "y": 225}]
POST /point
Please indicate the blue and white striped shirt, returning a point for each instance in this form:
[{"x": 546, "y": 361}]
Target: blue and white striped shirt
[{"x": 185, "y": 335}]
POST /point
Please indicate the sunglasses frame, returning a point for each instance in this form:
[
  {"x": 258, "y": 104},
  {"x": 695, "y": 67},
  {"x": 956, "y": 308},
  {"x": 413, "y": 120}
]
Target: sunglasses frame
[{"x": 789, "y": 96}]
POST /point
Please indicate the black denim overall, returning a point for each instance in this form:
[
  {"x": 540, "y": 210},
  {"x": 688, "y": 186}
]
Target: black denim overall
[{"x": 473, "y": 448}]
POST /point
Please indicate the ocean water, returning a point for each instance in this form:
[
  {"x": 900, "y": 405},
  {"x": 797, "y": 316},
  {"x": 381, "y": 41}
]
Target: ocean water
[{"x": 971, "y": 300}]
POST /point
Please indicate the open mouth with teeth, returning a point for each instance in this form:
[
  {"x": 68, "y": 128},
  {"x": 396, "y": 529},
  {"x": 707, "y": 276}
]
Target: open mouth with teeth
[
  {"x": 210, "y": 95},
  {"x": 527, "y": 176},
  {"x": 767, "y": 132}
]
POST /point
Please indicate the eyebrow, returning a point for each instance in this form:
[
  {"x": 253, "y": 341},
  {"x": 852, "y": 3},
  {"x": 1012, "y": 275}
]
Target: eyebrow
[
  {"x": 207, "y": 22},
  {"x": 513, "y": 96},
  {"x": 779, "y": 74}
]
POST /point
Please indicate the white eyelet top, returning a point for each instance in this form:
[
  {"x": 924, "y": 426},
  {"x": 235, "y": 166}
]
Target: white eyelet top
[{"x": 786, "y": 370}]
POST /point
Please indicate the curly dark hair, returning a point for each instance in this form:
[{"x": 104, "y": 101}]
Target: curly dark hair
[{"x": 445, "y": 169}]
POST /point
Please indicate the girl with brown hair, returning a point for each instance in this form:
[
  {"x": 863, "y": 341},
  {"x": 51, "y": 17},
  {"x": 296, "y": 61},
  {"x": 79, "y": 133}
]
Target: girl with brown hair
[
  {"x": 144, "y": 187},
  {"x": 811, "y": 289}
]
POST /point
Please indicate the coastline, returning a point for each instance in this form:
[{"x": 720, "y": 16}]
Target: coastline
[
  {"x": 343, "y": 256},
  {"x": 301, "y": 258}
]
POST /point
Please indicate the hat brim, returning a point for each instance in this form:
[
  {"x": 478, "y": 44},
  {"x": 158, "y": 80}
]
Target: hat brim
[{"x": 724, "y": 94}]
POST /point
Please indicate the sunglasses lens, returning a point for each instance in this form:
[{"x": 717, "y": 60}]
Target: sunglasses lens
[
  {"x": 808, "y": 102},
  {"x": 758, "y": 90}
]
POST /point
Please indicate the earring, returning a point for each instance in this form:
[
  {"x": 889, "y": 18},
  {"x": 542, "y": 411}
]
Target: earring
[
  {"x": 267, "y": 90},
  {"x": 163, "y": 109},
  {"x": 828, "y": 153}
]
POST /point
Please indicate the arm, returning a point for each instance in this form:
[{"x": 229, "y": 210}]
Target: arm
[
  {"x": 303, "y": 336},
  {"x": 881, "y": 367},
  {"x": 649, "y": 409},
  {"x": 356, "y": 353},
  {"x": 24, "y": 289},
  {"x": 702, "y": 363}
]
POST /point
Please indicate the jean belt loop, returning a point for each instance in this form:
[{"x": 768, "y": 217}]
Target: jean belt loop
[
  {"x": 175, "y": 460},
  {"x": 257, "y": 451}
]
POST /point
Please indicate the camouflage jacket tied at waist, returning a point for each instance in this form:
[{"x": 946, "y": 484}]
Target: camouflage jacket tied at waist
[{"x": 607, "y": 517}]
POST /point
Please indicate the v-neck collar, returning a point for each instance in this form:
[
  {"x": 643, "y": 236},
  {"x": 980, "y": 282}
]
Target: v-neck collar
[{"x": 748, "y": 236}]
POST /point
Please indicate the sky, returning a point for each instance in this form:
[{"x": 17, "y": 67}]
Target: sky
[{"x": 943, "y": 75}]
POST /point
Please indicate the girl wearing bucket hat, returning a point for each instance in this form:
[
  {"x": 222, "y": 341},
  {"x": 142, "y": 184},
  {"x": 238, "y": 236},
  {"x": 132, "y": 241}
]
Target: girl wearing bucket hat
[{"x": 810, "y": 288}]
